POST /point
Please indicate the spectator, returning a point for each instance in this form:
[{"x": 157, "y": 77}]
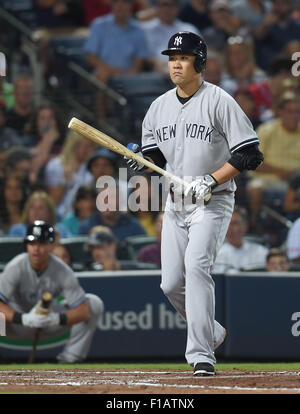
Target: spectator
[
  {"x": 239, "y": 63},
  {"x": 19, "y": 115},
  {"x": 266, "y": 91},
  {"x": 214, "y": 70},
  {"x": 224, "y": 25},
  {"x": 159, "y": 29},
  {"x": 8, "y": 136},
  {"x": 291, "y": 202},
  {"x": 18, "y": 161},
  {"x": 52, "y": 19},
  {"x": 292, "y": 47},
  {"x": 238, "y": 254},
  {"x": 105, "y": 163},
  {"x": 122, "y": 225},
  {"x": 97, "y": 8},
  {"x": 287, "y": 85},
  {"x": 65, "y": 173},
  {"x": 195, "y": 12},
  {"x": 152, "y": 253},
  {"x": 24, "y": 280},
  {"x": 245, "y": 99},
  {"x": 251, "y": 12},
  {"x": 45, "y": 135},
  {"x": 58, "y": 16},
  {"x": 83, "y": 207},
  {"x": 280, "y": 144},
  {"x": 39, "y": 206},
  {"x": 293, "y": 242},
  {"x": 277, "y": 261},
  {"x": 12, "y": 200},
  {"x": 116, "y": 45},
  {"x": 296, "y": 13},
  {"x": 62, "y": 251},
  {"x": 275, "y": 31},
  {"x": 102, "y": 245}
]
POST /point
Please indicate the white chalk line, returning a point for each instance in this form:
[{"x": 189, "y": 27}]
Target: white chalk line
[{"x": 151, "y": 382}]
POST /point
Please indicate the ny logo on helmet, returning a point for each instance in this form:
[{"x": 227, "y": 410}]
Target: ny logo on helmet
[
  {"x": 178, "y": 41},
  {"x": 37, "y": 231}
]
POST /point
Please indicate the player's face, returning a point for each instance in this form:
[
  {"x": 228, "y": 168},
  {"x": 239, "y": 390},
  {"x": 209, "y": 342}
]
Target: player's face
[
  {"x": 39, "y": 254},
  {"x": 181, "y": 69}
]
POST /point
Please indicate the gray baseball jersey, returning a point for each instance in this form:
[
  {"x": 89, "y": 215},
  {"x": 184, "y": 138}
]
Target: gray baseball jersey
[
  {"x": 198, "y": 137},
  {"x": 21, "y": 287}
]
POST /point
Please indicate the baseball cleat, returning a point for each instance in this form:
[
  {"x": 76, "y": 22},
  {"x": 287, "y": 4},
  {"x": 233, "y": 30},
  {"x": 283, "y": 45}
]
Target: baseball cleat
[
  {"x": 221, "y": 340},
  {"x": 203, "y": 369}
]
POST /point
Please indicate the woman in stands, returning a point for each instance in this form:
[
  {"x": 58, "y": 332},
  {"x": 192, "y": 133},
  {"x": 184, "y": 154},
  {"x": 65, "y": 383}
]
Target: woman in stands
[
  {"x": 65, "y": 173},
  {"x": 39, "y": 206},
  {"x": 12, "y": 199}
]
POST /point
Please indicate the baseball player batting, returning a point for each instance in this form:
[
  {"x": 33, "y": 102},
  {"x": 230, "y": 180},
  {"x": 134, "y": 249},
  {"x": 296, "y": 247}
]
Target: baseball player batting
[{"x": 196, "y": 130}]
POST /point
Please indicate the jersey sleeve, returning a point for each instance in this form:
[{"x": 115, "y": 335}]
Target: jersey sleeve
[
  {"x": 72, "y": 291},
  {"x": 234, "y": 124},
  {"x": 148, "y": 138},
  {"x": 8, "y": 282}
]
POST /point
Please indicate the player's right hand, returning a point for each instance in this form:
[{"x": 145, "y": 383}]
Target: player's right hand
[
  {"x": 33, "y": 320},
  {"x": 132, "y": 163}
]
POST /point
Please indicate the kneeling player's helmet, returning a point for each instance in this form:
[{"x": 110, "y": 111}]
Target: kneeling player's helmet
[
  {"x": 40, "y": 231},
  {"x": 188, "y": 42}
]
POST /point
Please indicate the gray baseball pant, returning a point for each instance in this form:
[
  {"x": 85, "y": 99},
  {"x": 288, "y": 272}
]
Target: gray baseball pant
[{"x": 188, "y": 254}]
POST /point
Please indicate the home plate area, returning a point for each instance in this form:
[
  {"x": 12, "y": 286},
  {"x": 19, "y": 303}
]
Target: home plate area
[{"x": 118, "y": 381}]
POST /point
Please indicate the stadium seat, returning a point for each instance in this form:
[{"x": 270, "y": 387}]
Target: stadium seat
[
  {"x": 10, "y": 247},
  {"x": 136, "y": 243}
]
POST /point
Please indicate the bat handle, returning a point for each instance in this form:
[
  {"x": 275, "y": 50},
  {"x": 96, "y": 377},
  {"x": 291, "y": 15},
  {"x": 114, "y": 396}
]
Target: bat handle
[{"x": 46, "y": 300}]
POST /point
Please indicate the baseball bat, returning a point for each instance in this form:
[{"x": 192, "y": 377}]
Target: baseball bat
[
  {"x": 2, "y": 64},
  {"x": 108, "y": 142},
  {"x": 43, "y": 309}
]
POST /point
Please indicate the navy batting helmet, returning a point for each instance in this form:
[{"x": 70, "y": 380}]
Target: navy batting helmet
[
  {"x": 40, "y": 231},
  {"x": 188, "y": 42}
]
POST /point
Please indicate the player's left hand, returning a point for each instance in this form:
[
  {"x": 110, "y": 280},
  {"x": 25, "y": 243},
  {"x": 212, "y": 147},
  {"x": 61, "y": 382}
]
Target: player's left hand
[
  {"x": 52, "y": 319},
  {"x": 201, "y": 188},
  {"x": 131, "y": 162}
]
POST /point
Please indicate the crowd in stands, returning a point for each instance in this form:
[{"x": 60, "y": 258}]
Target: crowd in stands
[{"x": 50, "y": 173}]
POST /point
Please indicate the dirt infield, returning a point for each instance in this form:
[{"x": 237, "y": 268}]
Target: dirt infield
[{"x": 118, "y": 381}]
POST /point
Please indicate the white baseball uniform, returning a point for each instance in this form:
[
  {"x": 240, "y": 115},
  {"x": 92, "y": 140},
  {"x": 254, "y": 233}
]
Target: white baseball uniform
[{"x": 196, "y": 138}]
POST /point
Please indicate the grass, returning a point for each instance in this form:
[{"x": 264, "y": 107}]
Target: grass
[{"x": 278, "y": 366}]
